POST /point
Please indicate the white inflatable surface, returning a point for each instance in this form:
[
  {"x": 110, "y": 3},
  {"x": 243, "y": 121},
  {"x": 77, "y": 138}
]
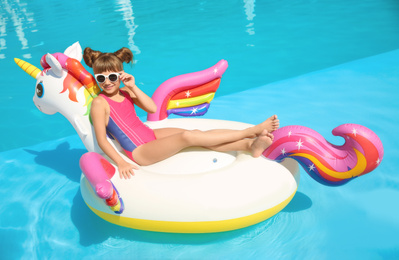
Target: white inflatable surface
[{"x": 198, "y": 190}]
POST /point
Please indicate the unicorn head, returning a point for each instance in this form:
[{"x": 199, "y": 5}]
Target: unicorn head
[{"x": 64, "y": 86}]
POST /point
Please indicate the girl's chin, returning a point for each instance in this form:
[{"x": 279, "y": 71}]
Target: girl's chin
[{"x": 109, "y": 89}]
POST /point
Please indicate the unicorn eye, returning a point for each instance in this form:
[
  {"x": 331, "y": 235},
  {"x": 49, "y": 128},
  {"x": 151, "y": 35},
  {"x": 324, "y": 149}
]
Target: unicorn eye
[{"x": 40, "y": 90}]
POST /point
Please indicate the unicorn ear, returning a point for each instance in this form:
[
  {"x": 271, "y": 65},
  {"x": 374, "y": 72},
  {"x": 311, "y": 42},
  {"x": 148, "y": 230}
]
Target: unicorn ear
[
  {"x": 74, "y": 51},
  {"x": 54, "y": 64}
]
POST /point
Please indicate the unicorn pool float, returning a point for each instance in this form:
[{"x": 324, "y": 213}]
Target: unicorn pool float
[{"x": 197, "y": 190}]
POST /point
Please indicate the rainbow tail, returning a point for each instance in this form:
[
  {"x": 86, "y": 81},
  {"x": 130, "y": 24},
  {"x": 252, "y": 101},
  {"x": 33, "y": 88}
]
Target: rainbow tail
[
  {"x": 188, "y": 94},
  {"x": 327, "y": 163}
]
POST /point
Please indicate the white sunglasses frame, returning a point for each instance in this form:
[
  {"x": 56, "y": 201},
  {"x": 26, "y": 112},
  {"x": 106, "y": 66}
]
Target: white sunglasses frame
[{"x": 107, "y": 77}]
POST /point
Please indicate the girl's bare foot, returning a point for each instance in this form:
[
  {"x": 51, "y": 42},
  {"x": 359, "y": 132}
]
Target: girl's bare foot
[
  {"x": 261, "y": 143},
  {"x": 271, "y": 124}
]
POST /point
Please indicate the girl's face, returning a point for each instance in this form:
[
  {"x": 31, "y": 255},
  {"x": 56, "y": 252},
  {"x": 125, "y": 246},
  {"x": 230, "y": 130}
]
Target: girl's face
[{"x": 108, "y": 81}]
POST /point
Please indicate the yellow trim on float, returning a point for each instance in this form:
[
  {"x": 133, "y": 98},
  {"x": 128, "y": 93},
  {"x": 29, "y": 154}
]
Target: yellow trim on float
[
  {"x": 188, "y": 102},
  {"x": 193, "y": 227}
]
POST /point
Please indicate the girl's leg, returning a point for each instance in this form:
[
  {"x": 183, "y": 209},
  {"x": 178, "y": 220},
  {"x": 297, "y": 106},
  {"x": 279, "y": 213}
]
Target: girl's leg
[
  {"x": 172, "y": 140},
  {"x": 271, "y": 124},
  {"x": 163, "y": 148},
  {"x": 240, "y": 145},
  {"x": 159, "y": 149},
  {"x": 254, "y": 146},
  {"x": 168, "y": 131},
  {"x": 207, "y": 138}
]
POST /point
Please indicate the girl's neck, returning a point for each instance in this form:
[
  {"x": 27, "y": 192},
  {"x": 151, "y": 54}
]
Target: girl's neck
[{"x": 116, "y": 96}]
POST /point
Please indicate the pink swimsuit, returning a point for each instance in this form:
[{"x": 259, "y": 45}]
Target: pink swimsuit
[{"x": 125, "y": 126}]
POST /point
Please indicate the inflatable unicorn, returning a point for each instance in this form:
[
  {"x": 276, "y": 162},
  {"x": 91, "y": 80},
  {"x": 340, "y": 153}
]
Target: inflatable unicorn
[{"x": 197, "y": 190}]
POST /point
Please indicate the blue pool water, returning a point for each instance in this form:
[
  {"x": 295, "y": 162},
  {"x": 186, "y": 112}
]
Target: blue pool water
[
  {"x": 314, "y": 63},
  {"x": 263, "y": 41}
]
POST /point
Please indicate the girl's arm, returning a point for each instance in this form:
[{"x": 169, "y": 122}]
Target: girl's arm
[
  {"x": 141, "y": 99},
  {"x": 98, "y": 116}
]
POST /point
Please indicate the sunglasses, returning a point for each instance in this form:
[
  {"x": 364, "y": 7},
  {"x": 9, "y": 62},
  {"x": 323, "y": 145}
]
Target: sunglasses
[{"x": 112, "y": 77}]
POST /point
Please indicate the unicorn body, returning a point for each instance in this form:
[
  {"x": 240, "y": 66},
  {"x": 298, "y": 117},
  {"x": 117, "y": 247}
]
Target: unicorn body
[{"x": 197, "y": 190}]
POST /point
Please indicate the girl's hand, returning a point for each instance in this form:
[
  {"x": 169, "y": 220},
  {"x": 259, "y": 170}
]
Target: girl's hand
[
  {"x": 126, "y": 169},
  {"x": 127, "y": 79}
]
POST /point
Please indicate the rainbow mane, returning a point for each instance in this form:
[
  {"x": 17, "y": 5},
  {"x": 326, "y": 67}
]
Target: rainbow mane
[
  {"x": 80, "y": 76},
  {"x": 76, "y": 78}
]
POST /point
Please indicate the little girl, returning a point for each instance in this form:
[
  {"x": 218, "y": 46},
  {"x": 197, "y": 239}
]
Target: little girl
[{"x": 113, "y": 113}]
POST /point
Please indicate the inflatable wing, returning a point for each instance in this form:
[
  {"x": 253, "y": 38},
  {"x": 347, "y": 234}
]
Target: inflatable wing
[
  {"x": 188, "y": 94},
  {"x": 329, "y": 164}
]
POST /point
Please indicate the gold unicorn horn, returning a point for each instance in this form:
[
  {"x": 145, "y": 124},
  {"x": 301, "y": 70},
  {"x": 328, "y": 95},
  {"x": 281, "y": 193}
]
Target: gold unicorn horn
[{"x": 28, "y": 68}]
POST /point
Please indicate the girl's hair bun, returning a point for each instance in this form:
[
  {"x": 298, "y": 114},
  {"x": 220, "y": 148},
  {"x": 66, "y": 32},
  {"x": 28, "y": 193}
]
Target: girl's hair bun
[
  {"x": 124, "y": 54},
  {"x": 90, "y": 56}
]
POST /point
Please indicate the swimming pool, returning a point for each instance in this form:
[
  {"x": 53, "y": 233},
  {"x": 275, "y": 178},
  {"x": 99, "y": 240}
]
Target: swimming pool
[
  {"x": 267, "y": 45},
  {"x": 263, "y": 42}
]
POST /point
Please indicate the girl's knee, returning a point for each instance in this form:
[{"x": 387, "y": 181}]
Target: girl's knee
[{"x": 190, "y": 136}]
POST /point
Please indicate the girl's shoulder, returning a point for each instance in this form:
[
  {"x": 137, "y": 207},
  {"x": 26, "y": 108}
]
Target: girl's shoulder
[{"x": 99, "y": 102}]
